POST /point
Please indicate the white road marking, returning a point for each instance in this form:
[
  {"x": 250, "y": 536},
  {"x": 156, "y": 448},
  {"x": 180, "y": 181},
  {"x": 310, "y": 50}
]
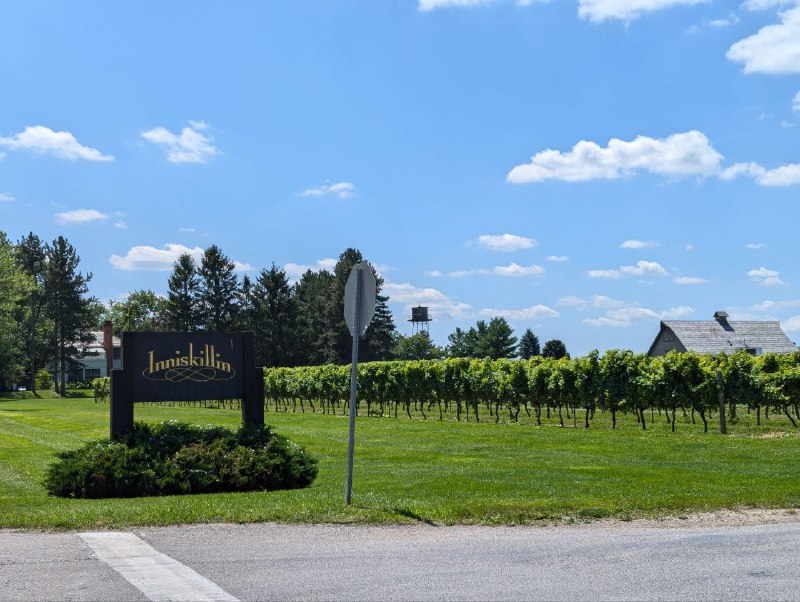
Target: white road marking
[{"x": 156, "y": 575}]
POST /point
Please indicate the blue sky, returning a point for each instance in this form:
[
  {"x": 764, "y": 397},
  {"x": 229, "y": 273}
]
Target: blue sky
[{"x": 584, "y": 168}]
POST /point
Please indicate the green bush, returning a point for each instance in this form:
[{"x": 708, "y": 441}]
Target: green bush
[
  {"x": 44, "y": 381},
  {"x": 177, "y": 458}
]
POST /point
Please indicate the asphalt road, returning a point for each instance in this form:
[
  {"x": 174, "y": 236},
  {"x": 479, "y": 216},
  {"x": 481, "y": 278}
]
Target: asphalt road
[{"x": 330, "y": 562}]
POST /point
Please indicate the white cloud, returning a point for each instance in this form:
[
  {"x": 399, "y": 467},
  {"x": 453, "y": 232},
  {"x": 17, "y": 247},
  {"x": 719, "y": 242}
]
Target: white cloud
[
  {"x": 679, "y": 155},
  {"x": 513, "y": 269},
  {"x": 557, "y": 258},
  {"x": 768, "y": 305},
  {"x": 529, "y": 313},
  {"x": 754, "y": 5},
  {"x": 505, "y": 242},
  {"x": 785, "y": 175},
  {"x": 120, "y": 225},
  {"x": 441, "y": 305},
  {"x": 604, "y": 274},
  {"x": 792, "y": 324},
  {"x": 187, "y": 230},
  {"x": 796, "y": 102},
  {"x": 755, "y": 245},
  {"x": 689, "y": 280},
  {"x": 434, "y": 273},
  {"x": 295, "y": 270},
  {"x": 6, "y": 197},
  {"x": 774, "y": 49},
  {"x": 686, "y": 154},
  {"x": 144, "y": 257},
  {"x": 80, "y": 216},
  {"x": 189, "y": 146},
  {"x": 604, "y": 302},
  {"x": 341, "y": 190},
  {"x": 44, "y": 141},
  {"x": 627, "y": 315},
  {"x": 517, "y": 270},
  {"x": 639, "y": 244},
  {"x": 625, "y": 10},
  {"x": 764, "y": 277},
  {"x": 429, "y": 5},
  {"x": 688, "y": 247},
  {"x": 642, "y": 268},
  {"x": 572, "y": 301}
]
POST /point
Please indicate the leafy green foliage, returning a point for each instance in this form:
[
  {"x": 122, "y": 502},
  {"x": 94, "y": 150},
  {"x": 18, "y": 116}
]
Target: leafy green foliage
[{"x": 178, "y": 458}]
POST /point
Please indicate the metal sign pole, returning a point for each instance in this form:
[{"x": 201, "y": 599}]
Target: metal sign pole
[{"x": 353, "y": 377}]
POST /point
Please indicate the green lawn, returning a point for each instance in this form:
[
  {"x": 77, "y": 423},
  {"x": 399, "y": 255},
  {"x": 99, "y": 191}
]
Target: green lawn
[{"x": 414, "y": 470}]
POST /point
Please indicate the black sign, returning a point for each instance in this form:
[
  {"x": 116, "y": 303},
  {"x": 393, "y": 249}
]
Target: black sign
[{"x": 193, "y": 366}]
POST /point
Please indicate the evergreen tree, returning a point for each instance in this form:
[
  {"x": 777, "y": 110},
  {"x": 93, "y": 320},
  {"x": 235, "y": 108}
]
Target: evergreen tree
[
  {"x": 246, "y": 319},
  {"x": 275, "y": 318},
  {"x": 15, "y": 287},
  {"x": 555, "y": 349},
  {"x": 32, "y": 261},
  {"x": 73, "y": 314},
  {"x": 217, "y": 290},
  {"x": 317, "y": 319},
  {"x": 379, "y": 337},
  {"x": 529, "y": 345},
  {"x": 495, "y": 339},
  {"x": 461, "y": 343},
  {"x": 183, "y": 300}
]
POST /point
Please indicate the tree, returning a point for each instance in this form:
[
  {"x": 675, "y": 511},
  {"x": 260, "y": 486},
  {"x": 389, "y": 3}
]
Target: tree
[
  {"x": 461, "y": 343},
  {"x": 528, "y": 345},
  {"x": 141, "y": 311},
  {"x": 379, "y": 337},
  {"x": 317, "y": 319},
  {"x": 183, "y": 309},
  {"x": 32, "y": 260},
  {"x": 73, "y": 314},
  {"x": 274, "y": 318},
  {"x": 416, "y": 347},
  {"x": 494, "y": 340},
  {"x": 15, "y": 286},
  {"x": 556, "y": 349},
  {"x": 217, "y": 290}
]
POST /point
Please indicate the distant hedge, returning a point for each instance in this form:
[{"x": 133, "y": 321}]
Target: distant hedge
[{"x": 178, "y": 458}]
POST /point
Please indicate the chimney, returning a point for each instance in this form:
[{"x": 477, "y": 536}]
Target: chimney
[
  {"x": 721, "y": 317},
  {"x": 108, "y": 346}
]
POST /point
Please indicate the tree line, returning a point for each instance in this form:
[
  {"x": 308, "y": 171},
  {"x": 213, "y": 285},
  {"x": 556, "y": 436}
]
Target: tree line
[{"x": 47, "y": 316}]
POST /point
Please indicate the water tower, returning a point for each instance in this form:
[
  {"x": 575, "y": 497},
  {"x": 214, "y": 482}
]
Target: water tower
[{"x": 419, "y": 319}]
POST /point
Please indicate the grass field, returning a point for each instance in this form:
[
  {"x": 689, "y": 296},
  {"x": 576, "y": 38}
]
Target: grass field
[{"x": 413, "y": 470}]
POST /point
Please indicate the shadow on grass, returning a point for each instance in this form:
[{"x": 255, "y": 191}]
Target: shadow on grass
[{"x": 413, "y": 515}]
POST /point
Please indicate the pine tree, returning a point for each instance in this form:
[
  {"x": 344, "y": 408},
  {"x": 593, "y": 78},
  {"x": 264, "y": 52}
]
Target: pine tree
[
  {"x": 15, "y": 287},
  {"x": 31, "y": 260},
  {"x": 183, "y": 301},
  {"x": 495, "y": 339},
  {"x": 218, "y": 287},
  {"x": 70, "y": 310},
  {"x": 379, "y": 337},
  {"x": 275, "y": 318},
  {"x": 529, "y": 345},
  {"x": 317, "y": 319},
  {"x": 461, "y": 343}
]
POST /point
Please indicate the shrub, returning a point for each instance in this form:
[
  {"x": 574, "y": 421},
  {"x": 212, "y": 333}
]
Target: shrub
[
  {"x": 176, "y": 458},
  {"x": 44, "y": 380}
]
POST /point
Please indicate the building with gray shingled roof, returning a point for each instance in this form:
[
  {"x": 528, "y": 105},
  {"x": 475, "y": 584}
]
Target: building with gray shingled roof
[{"x": 720, "y": 334}]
